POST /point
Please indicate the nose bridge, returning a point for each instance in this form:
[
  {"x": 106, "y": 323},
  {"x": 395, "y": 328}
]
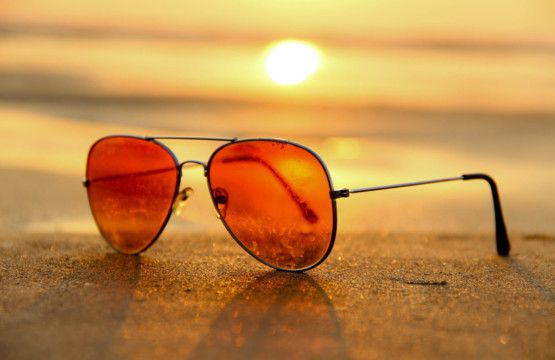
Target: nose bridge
[{"x": 195, "y": 162}]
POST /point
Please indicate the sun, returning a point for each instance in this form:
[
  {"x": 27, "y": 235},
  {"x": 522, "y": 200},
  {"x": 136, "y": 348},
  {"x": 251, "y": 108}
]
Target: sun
[{"x": 291, "y": 62}]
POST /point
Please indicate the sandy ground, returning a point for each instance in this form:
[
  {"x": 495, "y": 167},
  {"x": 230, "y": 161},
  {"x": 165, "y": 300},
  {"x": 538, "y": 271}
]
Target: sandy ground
[{"x": 200, "y": 296}]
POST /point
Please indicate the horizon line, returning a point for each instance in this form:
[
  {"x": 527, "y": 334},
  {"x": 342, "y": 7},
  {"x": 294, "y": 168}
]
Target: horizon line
[{"x": 415, "y": 43}]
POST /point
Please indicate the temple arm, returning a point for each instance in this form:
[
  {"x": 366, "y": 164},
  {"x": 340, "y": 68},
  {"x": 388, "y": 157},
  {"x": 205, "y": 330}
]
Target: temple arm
[{"x": 503, "y": 245}]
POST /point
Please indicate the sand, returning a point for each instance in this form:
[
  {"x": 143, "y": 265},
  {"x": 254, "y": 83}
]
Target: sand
[{"x": 200, "y": 296}]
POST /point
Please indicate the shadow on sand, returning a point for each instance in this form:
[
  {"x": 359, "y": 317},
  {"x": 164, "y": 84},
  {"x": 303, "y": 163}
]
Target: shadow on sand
[{"x": 281, "y": 316}]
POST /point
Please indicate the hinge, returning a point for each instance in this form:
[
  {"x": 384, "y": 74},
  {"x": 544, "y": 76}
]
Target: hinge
[{"x": 341, "y": 193}]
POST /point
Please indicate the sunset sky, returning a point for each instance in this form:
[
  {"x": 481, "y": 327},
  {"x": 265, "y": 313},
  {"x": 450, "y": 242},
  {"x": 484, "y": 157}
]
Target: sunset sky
[
  {"x": 429, "y": 54},
  {"x": 496, "y": 20}
]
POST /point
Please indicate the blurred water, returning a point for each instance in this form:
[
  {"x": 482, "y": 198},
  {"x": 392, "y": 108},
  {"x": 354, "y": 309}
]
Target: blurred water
[
  {"x": 380, "y": 114},
  {"x": 360, "y": 148}
]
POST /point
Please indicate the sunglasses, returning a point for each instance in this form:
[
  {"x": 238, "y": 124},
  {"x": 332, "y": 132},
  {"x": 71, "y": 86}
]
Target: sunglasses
[{"x": 275, "y": 197}]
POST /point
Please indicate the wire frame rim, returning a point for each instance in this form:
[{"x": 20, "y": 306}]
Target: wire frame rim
[
  {"x": 328, "y": 177},
  {"x": 176, "y": 190}
]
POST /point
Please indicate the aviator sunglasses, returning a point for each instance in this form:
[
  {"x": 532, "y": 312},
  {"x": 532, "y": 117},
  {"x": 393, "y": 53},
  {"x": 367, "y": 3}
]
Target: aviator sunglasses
[{"x": 275, "y": 197}]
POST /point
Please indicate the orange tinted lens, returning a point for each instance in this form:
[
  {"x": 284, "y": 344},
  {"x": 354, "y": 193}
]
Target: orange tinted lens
[
  {"x": 274, "y": 198},
  {"x": 132, "y": 183}
]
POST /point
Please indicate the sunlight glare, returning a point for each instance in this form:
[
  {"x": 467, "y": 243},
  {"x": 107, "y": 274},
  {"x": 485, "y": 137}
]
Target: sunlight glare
[
  {"x": 343, "y": 148},
  {"x": 291, "y": 62}
]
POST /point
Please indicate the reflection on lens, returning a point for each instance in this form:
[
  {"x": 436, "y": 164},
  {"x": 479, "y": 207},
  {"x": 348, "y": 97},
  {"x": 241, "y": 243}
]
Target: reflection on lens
[
  {"x": 132, "y": 183},
  {"x": 274, "y": 198}
]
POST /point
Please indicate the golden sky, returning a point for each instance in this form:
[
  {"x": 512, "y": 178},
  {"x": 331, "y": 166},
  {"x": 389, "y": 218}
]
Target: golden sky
[
  {"x": 360, "y": 19},
  {"x": 426, "y": 54}
]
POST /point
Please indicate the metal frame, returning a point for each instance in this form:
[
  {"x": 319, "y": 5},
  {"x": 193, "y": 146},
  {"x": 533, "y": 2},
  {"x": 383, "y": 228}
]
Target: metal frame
[
  {"x": 502, "y": 240},
  {"x": 333, "y": 203},
  {"x": 86, "y": 183},
  {"x": 501, "y": 237}
]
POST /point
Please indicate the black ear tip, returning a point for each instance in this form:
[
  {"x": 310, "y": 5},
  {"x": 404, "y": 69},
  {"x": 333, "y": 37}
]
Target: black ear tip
[
  {"x": 504, "y": 249},
  {"x": 503, "y": 244}
]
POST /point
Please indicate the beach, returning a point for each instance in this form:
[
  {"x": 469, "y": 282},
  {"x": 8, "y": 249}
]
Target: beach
[
  {"x": 201, "y": 296},
  {"x": 400, "y": 96}
]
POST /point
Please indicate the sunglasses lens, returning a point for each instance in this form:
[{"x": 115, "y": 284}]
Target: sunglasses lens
[
  {"x": 132, "y": 183},
  {"x": 274, "y": 199}
]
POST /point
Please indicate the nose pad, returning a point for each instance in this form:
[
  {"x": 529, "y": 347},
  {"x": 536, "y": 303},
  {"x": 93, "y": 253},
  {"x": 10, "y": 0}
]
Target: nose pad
[
  {"x": 221, "y": 200},
  {"x": 181, "y": 200}
]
